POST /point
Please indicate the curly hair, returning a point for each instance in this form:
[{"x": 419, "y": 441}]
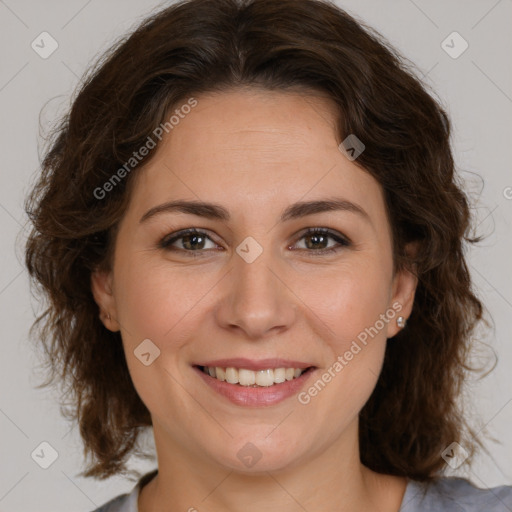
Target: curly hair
[{"x": 201, "y": 46}]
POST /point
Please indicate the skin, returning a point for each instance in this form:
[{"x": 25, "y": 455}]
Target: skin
[{"x": 255, "y": 152}]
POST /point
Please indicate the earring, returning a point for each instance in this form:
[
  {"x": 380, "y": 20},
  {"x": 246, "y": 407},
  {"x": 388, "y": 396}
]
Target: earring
[
  {"x": 108, "y": 316},
  {"x": 401, "y": 321}
]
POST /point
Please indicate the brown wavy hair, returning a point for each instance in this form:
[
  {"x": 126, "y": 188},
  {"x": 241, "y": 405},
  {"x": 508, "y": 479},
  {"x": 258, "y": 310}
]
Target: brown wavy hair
[{"x": 200, "y": 46}]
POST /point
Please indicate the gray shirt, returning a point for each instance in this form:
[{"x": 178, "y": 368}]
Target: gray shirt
[{"x": 446, "y": 494}]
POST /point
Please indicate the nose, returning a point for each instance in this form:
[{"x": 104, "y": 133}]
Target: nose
[{"x": 257, "y": 300}]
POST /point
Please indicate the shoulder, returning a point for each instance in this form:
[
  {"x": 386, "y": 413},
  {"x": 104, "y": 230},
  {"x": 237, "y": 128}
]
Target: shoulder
[
  {"x": 454, "y": 494},
  {"x": 127, "y": 502},
  {"x": 120, "y": 503}
]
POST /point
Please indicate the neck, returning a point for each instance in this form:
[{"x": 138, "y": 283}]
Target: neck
[{"x": 333, "y": 479}]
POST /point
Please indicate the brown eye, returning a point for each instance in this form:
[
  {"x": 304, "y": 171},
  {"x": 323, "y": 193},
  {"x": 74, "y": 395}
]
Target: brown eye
[
  {"x": 193, "y": 241},
  {"x": 317, "y": 241},
  {"x": 190, "y": 240}
]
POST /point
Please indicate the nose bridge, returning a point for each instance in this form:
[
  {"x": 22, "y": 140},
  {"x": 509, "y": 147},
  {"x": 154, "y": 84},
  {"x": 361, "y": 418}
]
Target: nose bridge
[
  {"x": 255, "y": 280},
  {"x": 257, "y": 299}
]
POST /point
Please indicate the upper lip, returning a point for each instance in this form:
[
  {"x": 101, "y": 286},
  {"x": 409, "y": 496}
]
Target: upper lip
[{"x": 255, "y": 365}]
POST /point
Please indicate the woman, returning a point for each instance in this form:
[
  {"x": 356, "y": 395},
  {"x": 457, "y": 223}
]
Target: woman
[{"x": 251, "y": 235}]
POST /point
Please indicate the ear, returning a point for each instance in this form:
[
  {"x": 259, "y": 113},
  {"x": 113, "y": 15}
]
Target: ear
[
  {"x": 102, "y": 290},
  {"x": 403, "y": 292}
]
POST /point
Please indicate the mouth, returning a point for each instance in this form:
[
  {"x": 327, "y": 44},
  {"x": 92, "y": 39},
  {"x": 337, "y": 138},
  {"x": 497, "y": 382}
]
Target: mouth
[
  {"x": 245, "y": 377},
  {"x": 250, "y": 383}
]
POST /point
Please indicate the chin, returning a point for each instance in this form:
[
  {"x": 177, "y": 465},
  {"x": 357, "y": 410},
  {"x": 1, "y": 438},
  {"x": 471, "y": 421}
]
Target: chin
[{"x": 261, "y": 453}]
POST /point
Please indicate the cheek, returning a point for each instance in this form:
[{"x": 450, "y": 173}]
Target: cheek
[
  {"x": 354, "y": 305},
  {"x": 349, "y": 300},
  {"x": 152, "y": 298},
  {"x": 349, "y": 388},
  {"x": 353, "y": 310},
  {"x": 157, "y": 303},
  {"x": 157, "y": 298}
]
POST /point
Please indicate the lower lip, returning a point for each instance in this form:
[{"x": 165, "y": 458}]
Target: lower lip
[{"x": 256, "y": 397}]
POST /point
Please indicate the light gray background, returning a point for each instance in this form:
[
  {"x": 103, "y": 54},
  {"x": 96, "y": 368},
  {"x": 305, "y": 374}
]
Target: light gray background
[{"x": 476, "y": 90}]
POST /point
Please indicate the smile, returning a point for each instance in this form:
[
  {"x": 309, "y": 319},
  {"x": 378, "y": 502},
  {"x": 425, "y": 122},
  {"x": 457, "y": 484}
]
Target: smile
[
  {"x": 248, "y": 383},
  {"x": 261, "y": 378}
]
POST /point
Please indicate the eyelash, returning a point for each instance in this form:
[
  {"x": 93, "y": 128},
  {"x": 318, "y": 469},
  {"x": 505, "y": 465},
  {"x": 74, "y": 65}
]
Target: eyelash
[{"x": 166, "y": 242}]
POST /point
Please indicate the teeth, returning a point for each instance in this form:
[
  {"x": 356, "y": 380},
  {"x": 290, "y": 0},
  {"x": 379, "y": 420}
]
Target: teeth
[
  {"x": 265, "y": 377},
  {"x": 244, "y": 377},
  {"x": 221, "y": 373},
  {"x": 232, "y": 375},
  {"x": 279, "y": 375}
]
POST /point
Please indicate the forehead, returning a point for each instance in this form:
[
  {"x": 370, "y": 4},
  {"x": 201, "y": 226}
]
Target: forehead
[
  {"x": 252, "y": 149},
  {"x": 258, "y": 122}
]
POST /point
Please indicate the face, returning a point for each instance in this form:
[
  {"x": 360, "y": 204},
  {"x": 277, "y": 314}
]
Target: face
[{"x": 250, "y": 288}]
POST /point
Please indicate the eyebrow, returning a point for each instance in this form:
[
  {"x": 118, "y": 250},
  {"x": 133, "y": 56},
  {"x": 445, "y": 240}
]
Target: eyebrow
[{"x": 218, "y": 212}]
